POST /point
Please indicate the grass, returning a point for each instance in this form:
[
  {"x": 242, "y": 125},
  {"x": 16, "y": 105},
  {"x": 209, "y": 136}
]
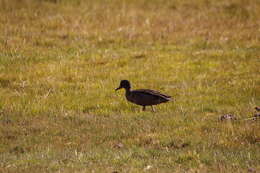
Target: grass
[{"x": 61, "y": 60}]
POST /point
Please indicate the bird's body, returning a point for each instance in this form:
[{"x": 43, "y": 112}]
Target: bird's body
[{"x": 143, "y": 97}]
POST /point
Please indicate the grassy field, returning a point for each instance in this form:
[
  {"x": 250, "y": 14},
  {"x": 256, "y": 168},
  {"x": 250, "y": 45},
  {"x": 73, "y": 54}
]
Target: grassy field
[{"x": 61, "y": 60}]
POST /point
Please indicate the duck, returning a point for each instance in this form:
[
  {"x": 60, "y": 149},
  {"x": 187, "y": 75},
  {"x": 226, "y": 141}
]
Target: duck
[{"x": 143, "y": 97}]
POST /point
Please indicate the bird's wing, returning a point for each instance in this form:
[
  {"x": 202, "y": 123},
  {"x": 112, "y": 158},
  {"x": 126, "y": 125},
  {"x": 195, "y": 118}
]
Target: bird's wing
[{"x": 152, "y": 92}]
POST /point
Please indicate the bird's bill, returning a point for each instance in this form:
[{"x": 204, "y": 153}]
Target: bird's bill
[{"x": 118, "y": 88}]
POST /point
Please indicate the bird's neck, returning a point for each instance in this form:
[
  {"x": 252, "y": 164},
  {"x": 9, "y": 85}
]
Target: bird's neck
[{"x": 127, "y": 91}]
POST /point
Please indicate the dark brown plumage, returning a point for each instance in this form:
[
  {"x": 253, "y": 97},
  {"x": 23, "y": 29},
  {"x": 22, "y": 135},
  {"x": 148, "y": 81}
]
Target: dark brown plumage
[{"x": 143, "y": 97}]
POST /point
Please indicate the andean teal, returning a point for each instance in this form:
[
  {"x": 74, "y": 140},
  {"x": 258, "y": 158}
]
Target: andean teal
[{"x": 143, "y": 97}]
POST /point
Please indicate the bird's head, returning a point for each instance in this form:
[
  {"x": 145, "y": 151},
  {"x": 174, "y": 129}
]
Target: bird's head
[{"x": 124, "y": 84}]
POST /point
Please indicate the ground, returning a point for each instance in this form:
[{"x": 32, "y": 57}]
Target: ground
[{"x": 61, "y": 60}]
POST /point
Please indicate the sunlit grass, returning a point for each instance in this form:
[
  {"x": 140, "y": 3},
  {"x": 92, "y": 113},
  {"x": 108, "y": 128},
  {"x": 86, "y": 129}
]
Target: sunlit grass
[{"x": 60, "y": 62}]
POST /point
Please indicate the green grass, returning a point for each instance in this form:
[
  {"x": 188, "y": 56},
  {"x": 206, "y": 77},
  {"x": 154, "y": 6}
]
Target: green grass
[{"x": 60, "y": 62}]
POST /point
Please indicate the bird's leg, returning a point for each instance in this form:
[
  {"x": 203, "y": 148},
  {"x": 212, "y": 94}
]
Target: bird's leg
[
  {"x": 152, "y": 108},
  {"x": 143, "y": 108}
]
